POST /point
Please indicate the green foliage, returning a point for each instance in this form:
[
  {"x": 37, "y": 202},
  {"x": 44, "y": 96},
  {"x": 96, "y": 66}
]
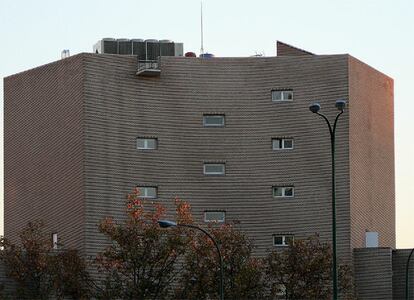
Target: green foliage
[{"x": 39, "y": 271}]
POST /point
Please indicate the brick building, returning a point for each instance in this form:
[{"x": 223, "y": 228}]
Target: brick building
[{"x": 233, "y": 136}]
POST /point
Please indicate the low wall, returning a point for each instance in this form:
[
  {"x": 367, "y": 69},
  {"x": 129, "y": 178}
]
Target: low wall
[{"x": 373, "y": 273}]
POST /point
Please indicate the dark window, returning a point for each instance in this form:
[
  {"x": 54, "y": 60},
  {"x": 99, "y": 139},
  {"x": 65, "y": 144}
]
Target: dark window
[
  {"x": 282, "y": 95},
  {"x": 282, "y": 143},
  {"x": 214, "y": 169},
  {"x": 214, "y": 216},
  {"x": 213, "y": 120},
  {"x": 283, "y": 191},
  {"x": 283, "y": 239},
  {"x": 147, "y": 143}
]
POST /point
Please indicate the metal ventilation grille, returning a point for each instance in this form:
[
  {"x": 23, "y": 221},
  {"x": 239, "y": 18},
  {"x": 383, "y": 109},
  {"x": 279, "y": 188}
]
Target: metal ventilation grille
[
  {"x": 149, "y": 49},
  {"x": 153, "y": 49},
  {"x": 138, "y": 48},
  {"x": 167, "y": 48},
  {"x": 110, "y": 47},
  {"x": 124, "y": 47}
]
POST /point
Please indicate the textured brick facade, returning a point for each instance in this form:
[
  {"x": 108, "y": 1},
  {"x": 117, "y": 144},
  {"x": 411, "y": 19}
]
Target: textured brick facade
[
  {"x": 71, "y": 129},
  {"x": 371, "y": 140},
  {"x": 44, "y": 149},
  {"x": 373, "y": 273},
  {"x": 171, "y": 108},
  {"x": 283, "y": 49}
]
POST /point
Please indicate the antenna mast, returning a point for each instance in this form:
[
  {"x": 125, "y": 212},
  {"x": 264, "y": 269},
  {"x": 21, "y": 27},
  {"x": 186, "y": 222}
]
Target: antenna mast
[{"x": 202, "y": 42}]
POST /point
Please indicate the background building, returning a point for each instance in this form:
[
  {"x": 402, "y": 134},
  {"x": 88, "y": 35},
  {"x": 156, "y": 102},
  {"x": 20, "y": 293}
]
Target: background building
[{"x": 233, "y": 136}]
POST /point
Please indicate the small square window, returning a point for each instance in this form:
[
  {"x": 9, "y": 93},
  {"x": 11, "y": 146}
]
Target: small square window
[
  {"x": 283, "y": 191},
  {"x": 287, "y": 143},
  {"x": 288, "y": 191},
  {"x": 282, "y": 143},
  {"x": 287, "y": 95},
  {"x": 282, "y": 95},
  {"x": 147, "y": 192},
  {"x": 276, "y": 95},
  {"x": 213, "y": 120},
  {"x": 283, "y": 240},
  {"x": 147, "y": 143},
  {"x": 214, "y": 169},
  {"x": 277, "y": 192},
  {"x": 277, "y": 144},
  {"x": 214, "y": 216},
  {"x": 278, "y": 240}
]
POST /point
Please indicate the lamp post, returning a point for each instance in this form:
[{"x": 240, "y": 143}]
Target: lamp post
[
  {"x": 407, "y": 266},
  {"x": 166, "y": 224},
  {"x": 315, "y": 107}
]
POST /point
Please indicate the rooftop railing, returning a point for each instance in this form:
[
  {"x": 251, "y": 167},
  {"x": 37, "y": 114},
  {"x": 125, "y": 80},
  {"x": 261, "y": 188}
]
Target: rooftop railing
[{"x": 148, "y": 68}]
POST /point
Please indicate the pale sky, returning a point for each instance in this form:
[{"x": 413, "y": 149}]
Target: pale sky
[{"x": 378, "y": 32}]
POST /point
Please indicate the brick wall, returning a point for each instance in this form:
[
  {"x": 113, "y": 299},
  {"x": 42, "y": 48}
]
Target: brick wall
[
  {"x": 43, "y": 150},
  {"x": 373, "y": 273}
]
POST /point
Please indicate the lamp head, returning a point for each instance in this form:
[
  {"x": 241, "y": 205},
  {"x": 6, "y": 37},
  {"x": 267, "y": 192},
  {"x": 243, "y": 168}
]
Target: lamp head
[
  {"x": 315, "y": 107},
  {"x": 340, "y": 104},
  {"x": 166, "y": 223}
]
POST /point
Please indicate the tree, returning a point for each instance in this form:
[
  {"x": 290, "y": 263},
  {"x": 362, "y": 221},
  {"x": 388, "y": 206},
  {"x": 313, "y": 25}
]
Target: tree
[
  {"x": 35, "y": 266},
  {"x": 304, "y": 271},
  {"x": 142, "y": 260},
  {"x": 243, "y": 278},
  {"x": 71, "y": 278}
]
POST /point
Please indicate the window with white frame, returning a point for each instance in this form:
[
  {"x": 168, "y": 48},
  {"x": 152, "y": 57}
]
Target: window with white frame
[
  {"x": 214, "y": 216},
  {"x": 214, "y": 168},
  {"x": 54, "y": 240},
  {"x": 282, "y": 95},
  {"x": 282, "y": 239},
  {"x": 283, "y": 191},
  {"x": 212, "y": 120},
  {"x": 282, "y": 143},
  {"x": 147, "y": 192},
  {"x": 144, "y": 143}
]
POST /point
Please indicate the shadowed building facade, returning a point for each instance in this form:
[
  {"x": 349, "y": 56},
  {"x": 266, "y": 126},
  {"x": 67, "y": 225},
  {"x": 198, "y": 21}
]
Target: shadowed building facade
[{"x": 233, "y": 136}]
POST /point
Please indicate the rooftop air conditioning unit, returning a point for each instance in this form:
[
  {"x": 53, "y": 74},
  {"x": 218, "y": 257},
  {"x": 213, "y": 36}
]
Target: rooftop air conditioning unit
[
  {"x": 106, "y": 45},
  {"x": 124, "y": 46},
  {"x": 167, "y": 48},
  {"x": 152, "y": 48},
  {"x": 178, "y": 49},
  {"x": 138, "y": 48}
]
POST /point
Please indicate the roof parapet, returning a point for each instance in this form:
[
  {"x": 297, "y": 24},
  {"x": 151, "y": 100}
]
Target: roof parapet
[{"x": 283, "y": 49}]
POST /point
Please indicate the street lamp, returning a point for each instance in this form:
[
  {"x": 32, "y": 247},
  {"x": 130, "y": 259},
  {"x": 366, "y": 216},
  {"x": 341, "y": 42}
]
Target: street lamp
[
  {"x": 166, "y": 224},
  {"x": 315, "y": 107},
  {"x": 407, "y": 267}
]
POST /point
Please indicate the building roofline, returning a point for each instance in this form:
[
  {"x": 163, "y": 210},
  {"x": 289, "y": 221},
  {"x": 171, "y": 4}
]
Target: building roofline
[
  {"x": 309, "y": 55},
  {"x": 353, "y": 58},
  {"x": 299, "y": 50},
  {"x": 70, "y": 58}
]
